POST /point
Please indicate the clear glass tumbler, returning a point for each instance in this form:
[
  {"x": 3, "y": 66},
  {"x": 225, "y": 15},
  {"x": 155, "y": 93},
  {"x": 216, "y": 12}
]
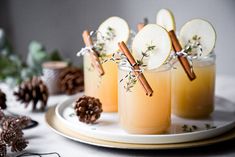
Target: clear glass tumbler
[
  {"x": 141, "y": 114},
  {"x": 102, "y": 87},
  {"x": 194, "y": 99}
]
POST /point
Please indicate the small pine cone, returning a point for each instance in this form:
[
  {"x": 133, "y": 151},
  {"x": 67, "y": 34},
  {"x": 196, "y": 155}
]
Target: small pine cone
[
  {"x": 71, "y": 80},
  {"x": 8, "y": 136},
  {"x": 15, "y": 123},
  {"x": 88, "y": 109},
  {"x": 33, "y": 90},
  {"x": 3, "y": 149},
  {"x": 23, "y": 121},
  {"x": 9, "y": 122},
  {"x": 3, "y": 100},
  {"x": 19, "y": 145}
]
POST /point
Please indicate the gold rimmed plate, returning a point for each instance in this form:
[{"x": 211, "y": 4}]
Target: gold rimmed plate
[
  {"x": 55, "y": 124},
  {"x": 108, "y": 128}
]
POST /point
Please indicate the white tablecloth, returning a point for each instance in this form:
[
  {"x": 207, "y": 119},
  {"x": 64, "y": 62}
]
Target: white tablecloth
[{"x": 43, "y": 139}]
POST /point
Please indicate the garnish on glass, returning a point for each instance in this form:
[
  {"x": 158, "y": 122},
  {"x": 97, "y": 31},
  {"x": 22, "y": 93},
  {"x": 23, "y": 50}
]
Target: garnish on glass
[
  {"x": 94, "y": 54},
  {"x": 165, "y": 18},
  {"x": 132, "y": 78},
  {"x": 198, "y": 37},
  {"x": 183, "y": 60},
  {"x": 141, "y": 78},
  {"x": 191, "y": 48}
]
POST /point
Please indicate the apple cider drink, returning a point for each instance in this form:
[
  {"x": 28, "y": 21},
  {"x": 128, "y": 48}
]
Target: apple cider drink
[
  {"x": 102, "y": 87},
  {"x": 141, "y": 114},
  {"x": 144, "y": 90},
  {"x": 195, "y": 99},
  {"x": 101, "y": 81}
]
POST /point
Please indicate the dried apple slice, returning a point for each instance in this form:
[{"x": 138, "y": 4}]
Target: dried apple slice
[
  {"x": 165, "y": 18},
  {"x": 200, "y": 34},
  {"x": 112, "y": 31},
  {"x": 151, "y": 46}
]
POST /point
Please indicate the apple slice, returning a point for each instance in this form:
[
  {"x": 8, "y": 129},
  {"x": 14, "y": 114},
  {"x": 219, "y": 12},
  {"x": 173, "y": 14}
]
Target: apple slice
[
  {"x": 112, "y": 31},
  {"x": 152, "y": 46},
  {"x": 200, "y": 31},
  {"x": 165, "y": 18}
]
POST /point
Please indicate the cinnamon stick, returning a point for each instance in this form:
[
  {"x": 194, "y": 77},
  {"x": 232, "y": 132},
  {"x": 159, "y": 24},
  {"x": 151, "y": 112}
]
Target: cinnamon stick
[
  {"x": 141, "y": 78},
  {"x": 94, "y": 54},
  {"x": 184, "y": 62}
]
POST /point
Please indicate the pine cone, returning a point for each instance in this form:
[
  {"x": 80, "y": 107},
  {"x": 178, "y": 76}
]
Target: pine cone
[
  {"x": 8, "y": 135},
  {"x": 71, "y": 80},
  {"x": 15, "y": 123},
  {"x": 33, "y": 90},
  {"x": 10, "y": 123},
  {"x": 3, "y": 149},
  {"x": 88, "y": 109},
  {"x": 3, "y": 100},
  {"x": 19, "y": 145},
  {"x": 11, "y": 133}
]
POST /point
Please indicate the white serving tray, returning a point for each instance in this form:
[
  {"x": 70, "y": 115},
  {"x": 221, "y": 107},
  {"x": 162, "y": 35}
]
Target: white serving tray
[{"x": 107, "y": 127}]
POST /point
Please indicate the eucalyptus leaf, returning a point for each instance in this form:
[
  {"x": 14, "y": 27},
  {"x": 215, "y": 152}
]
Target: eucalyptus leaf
[
  {"x": 35, "y": 46},
  {"x": 13, "y": 70}
]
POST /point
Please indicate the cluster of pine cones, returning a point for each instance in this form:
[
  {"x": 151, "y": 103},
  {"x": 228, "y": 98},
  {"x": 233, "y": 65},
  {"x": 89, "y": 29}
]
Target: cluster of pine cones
[
  {"x": 35, "y": 90},
  {"x": 11, "y": 134}
]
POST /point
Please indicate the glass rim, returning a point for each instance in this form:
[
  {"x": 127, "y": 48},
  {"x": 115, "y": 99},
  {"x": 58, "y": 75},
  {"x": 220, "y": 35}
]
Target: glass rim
[{"x": 211, "y": 54}]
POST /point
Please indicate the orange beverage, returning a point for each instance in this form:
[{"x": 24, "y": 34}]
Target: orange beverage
[
  {"x": 141, "y": 114},
  {"x": 102, "y": 87},
  {"x": 194, "y": 99}
]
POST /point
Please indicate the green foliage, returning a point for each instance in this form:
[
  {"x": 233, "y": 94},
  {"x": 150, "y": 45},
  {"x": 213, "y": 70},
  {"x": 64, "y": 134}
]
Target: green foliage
[
  {"x": 38, "y": 54},
  {"x": 13, "y": 70}
]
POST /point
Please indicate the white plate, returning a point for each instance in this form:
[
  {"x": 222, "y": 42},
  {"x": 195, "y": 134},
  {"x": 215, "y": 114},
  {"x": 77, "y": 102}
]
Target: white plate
[
  {"x": 55, "y": 124},
  {"x": 107, "y": 127}
]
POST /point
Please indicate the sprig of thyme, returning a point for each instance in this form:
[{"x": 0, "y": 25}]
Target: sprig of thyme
[
  {"x": 131, "y": 78},
  {"x": 208, "y": 126},
  {"x": 109, "y": 34},
  {"x": 190, "y": 52},
  {"x": 193, "y": 128},
  {"x": 193, "y": 46},
  {"x": 99, "y": 44},
  {"x": 189, "y": 128},
  {"x": 146, "y": 53}
]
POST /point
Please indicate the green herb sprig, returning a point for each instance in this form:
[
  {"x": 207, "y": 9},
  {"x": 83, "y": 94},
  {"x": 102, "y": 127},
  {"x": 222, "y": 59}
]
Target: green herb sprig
[
  {"x": 189, "y": 128},
  {"x": 110, "y": 34},
  {"x": 193, "y": 45},
  {"x": 131, "y": 78},
  {"x": 209, "y": 126},
  {"x": 193, "y": 128},
  {"x": 99, "y": 44}
]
